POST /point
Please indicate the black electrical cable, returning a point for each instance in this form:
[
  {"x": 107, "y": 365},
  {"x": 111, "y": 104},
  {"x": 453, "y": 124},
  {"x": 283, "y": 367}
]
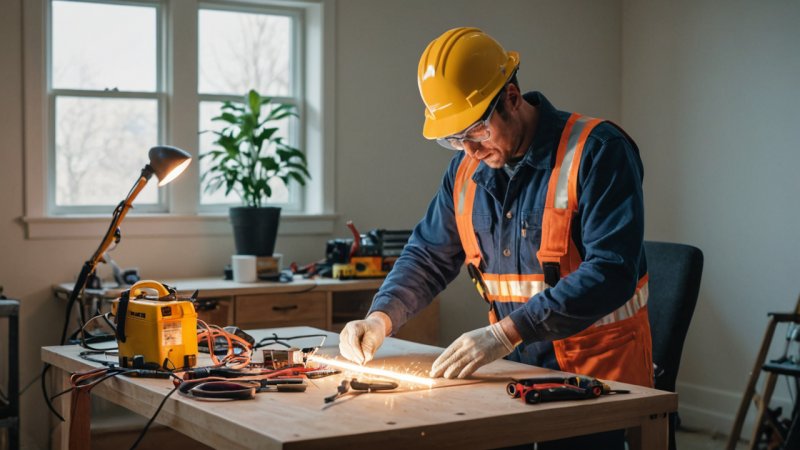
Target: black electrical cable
[
  {"x": 153, "y": 418},
  {"x": 275, "y": 339},
  {"x": 84, "y": 342},
  {"x": 44, "y": 391},
  {"x": 86, "y": 356},
  {"x": 111, "y": 374}
]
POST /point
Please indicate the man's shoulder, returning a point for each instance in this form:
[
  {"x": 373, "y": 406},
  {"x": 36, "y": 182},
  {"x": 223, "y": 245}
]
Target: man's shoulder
[{"x": 607, "y": 131}]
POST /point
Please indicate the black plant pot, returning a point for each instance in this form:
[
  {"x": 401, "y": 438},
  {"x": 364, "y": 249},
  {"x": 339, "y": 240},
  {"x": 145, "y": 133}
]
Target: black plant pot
[{"x": 255, "y": 229}]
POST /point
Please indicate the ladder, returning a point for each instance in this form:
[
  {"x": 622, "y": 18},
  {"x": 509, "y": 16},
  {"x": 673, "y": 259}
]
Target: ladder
[{"x": 773, "y": 369}]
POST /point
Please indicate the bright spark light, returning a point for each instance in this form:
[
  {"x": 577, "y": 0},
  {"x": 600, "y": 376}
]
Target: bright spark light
[{"x": 372, "y": 370}]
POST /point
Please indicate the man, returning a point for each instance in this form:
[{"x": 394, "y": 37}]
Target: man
[{"x": 546, "y": 209}]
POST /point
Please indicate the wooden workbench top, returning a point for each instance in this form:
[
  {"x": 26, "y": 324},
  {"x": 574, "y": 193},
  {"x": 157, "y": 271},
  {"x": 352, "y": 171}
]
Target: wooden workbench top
[{"x": 467, "y": 414}]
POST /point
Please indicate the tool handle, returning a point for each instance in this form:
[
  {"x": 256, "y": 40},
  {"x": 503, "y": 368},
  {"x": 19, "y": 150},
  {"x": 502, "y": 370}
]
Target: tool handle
[
  {"x": 136, "y": 289},
  {"x": 382, "y": 386},
  {"x": 146, "y": 373}
]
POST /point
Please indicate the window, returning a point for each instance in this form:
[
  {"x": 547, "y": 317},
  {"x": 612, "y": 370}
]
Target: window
[
  {"x": 108, "y": 79},
  {"x": 105, "y": 102}
]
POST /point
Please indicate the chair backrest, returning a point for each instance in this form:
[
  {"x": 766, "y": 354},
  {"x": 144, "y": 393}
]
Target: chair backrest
[{"x": 674, "y": 272}]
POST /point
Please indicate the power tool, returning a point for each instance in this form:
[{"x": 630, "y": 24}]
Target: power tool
[
  {"x": 367, "y": 256},
  {"x": 155, "y": 332}
]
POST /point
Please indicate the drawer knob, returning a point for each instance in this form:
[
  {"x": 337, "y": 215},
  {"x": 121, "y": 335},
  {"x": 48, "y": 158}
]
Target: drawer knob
[{"x": 284, "y": 308}]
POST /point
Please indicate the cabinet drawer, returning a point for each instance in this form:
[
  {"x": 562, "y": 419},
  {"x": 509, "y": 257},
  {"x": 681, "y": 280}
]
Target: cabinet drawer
[{"x": 282, "y": 310}]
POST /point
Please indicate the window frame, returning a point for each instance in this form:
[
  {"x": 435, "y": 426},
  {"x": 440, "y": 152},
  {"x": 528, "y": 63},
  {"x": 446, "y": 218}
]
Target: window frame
[{"x": 184, "y": 216}]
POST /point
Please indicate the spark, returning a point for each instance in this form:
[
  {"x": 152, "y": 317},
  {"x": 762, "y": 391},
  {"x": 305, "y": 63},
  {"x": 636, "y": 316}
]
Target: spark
[{"x": 372, "y": 370}]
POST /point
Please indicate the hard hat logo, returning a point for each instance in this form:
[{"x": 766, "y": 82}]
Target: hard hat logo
[{"x": 459, "y": 74}]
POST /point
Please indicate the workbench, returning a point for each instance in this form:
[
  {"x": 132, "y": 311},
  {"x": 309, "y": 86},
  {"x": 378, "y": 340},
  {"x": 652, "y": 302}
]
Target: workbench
[
  {"x": 453, "y": 414},
  {"x": 324, "y": 303}
]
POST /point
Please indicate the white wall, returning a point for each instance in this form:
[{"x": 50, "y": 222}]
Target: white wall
[{"x": 711, "y": 91}]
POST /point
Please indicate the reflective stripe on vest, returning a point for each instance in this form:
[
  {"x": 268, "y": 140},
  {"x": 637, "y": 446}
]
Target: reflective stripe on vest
[
  {"x": 463, "y": 199},
  {"x": 520, "y": 289},
  {"x": 561, "y": 205}
]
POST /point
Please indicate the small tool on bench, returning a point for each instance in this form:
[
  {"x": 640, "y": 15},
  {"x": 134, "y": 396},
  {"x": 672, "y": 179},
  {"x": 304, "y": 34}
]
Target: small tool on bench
[{"x": 358, "y": 387}]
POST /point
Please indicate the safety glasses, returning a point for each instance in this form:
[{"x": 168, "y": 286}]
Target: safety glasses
[{"x": 477, "y": 132}]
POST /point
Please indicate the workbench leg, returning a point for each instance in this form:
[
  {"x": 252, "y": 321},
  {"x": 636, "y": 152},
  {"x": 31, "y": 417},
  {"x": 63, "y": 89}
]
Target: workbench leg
[
  {"x": 58, "y": 382},
  {"x": 653, "y": 434}
]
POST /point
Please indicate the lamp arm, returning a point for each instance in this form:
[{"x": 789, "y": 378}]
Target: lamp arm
[{"x": 111, "y": 235}]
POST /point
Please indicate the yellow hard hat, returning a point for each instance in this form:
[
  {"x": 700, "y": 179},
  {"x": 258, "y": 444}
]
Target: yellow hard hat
[{"x": 459, "y": 74}]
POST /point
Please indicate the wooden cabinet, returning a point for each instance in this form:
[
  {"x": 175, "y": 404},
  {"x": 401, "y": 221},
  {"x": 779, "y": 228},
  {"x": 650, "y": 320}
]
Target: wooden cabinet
[
  {"x": 215, "y": 310},
  {"x": 324, "y": 303}
]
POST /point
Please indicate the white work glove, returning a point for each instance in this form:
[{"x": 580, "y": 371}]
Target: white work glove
[
  {"x": 360, "y": 339},
  {"x": 471, "y": 351}
]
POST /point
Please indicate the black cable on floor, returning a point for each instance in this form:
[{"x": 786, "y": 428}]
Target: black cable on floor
[
  {"x": 44, "y": 391},
  {"x": 152, "y": 419}
]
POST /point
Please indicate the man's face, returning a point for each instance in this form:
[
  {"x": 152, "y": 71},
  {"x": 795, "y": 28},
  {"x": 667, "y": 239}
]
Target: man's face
[{"x": 502, "y": 144}]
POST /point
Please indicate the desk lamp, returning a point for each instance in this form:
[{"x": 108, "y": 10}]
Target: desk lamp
[{"x": 166, "y": 163}]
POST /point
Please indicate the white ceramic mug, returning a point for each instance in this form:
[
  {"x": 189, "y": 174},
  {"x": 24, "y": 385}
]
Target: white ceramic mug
[{"x": 244, "y": 268}]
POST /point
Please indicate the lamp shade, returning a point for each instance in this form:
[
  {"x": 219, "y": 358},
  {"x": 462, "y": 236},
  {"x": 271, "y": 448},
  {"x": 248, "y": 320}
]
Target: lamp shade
[{"x": 168, "y": 162}]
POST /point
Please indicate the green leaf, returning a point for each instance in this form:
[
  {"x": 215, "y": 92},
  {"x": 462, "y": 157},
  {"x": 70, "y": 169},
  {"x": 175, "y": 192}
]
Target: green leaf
[
  {"x": 298, "y": 177},
  {"x": 299, "y": 167},
  {"x": 269, "y": 163},
  {"x": 267, "y": 133},
  {"x": 281, "y": 111},
  {"x": 255, "y": 102},
  {"x": 226, "y": 117}
]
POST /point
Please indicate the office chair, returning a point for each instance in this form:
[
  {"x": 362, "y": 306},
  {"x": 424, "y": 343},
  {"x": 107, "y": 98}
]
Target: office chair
[{"x": 674, "y": 272}]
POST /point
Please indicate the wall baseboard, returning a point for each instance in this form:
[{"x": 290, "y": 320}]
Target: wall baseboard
[{"x": 714, "y": 410}]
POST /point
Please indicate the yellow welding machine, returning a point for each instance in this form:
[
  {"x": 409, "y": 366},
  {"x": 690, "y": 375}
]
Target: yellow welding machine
[{"x": 155, "y": 332}]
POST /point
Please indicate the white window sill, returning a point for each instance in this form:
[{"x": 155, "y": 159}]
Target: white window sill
[{"x": 165, "y": 225}]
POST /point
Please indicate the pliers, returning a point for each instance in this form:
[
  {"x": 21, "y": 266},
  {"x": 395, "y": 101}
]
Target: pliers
[
  {"x": 241, "y": 388},
  {"x": 350, "y": 386}
]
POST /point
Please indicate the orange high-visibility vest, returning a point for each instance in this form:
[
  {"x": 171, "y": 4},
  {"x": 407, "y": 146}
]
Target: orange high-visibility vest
[{"x": 616, "y": 347}]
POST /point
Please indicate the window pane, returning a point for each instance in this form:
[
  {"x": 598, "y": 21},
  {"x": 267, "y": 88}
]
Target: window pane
[
  {"x": 208, "y": 110},
  {"x": 242, "y": 51},
  {"x": 101, "y": 148},
  {"x": 97, "y": 46}
]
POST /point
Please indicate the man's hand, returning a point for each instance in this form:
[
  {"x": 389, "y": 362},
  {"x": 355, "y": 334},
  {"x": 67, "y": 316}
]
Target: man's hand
[
  {"x": 471, "y": 351},
  {"x": 360, "y": 339}
]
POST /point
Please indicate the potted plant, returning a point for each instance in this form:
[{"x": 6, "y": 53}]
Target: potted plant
[{"x": 247, "y": 155}]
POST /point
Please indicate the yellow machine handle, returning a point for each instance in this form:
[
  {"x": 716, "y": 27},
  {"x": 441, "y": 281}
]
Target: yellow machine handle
[{"x": 136, "y": 289}]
